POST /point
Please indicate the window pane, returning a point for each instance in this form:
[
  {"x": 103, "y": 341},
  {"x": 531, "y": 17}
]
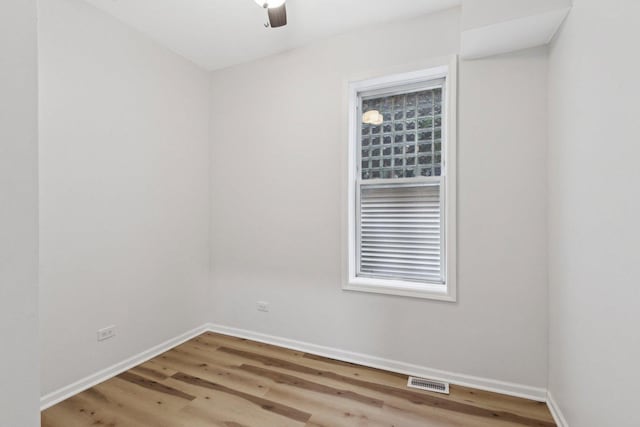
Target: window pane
[{"x": 404, "y": 124}]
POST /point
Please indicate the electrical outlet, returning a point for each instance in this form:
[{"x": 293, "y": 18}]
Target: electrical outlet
[
  {"x": 106, "y": 333},
  {"x": 263, "y": 306}
]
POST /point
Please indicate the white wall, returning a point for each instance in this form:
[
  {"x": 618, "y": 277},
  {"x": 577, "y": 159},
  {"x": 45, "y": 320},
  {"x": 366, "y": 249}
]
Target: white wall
[
  {"x": 124, "y": 191},
  {"x": 279, "y": 153},
  {"x": 480, "y": 13},
  {"x": 18, "y": 214},
  {"x": 593, "y": 215}
]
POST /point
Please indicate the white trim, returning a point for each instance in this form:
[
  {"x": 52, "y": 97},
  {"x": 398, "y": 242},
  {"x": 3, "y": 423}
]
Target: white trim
[
  {"x": 63, "y": 393},
  {"x": 502, "y": 387},
  {"x": 400, "y": 288},
  {"x": 558, "y": 417},
  {"x": 448, "y": 71},
  {"x": 450, "y": 173}
]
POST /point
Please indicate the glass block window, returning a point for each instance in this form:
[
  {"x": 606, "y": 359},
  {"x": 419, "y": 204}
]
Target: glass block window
[{"x": 404, "y": 139}]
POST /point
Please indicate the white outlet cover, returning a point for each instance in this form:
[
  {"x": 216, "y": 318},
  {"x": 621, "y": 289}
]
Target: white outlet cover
[{"x": 106, "y": 333}]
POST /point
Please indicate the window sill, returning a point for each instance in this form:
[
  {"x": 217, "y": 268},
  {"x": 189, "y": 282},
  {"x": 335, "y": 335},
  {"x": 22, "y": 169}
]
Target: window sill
[{"x": 398, "y": 288}]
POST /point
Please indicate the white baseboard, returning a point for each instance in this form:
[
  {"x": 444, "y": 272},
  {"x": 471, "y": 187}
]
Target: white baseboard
[
  {"x": 555, "y": 411},
  {"x": 511, "y": 389},
  {"x": 110, "y": 372}
]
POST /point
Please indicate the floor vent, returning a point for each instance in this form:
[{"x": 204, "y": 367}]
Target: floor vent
[{"x": 428, "y": 385}]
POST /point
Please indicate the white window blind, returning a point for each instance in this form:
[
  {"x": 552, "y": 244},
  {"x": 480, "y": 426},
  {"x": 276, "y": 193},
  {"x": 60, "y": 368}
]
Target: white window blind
[{"x": 400, "y": 231}]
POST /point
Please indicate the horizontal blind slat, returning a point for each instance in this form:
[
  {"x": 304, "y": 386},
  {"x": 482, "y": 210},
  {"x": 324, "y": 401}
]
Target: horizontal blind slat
[
  {"x": 400, "y": 269},
  {"x": 404, "y": 214},
  {"x": 398, "y": 249},
  {"x": 404, "y": 255},
  {"x": 406, "y": 261}
]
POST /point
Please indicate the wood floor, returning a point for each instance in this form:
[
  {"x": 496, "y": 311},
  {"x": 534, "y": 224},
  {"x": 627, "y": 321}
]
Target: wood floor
[{"x": 217, "y": 380}]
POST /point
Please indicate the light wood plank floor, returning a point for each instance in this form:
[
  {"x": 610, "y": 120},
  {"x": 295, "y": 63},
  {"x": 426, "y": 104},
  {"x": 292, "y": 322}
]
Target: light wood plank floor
[{"x": 217, "y": 380}]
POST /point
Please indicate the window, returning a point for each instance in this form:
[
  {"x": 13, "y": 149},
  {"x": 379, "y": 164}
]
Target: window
[{"x": 402, "y": 185}]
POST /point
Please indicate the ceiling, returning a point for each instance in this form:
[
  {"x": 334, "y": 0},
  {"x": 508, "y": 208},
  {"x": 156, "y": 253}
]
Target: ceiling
[{"x": 220, "y": 33}]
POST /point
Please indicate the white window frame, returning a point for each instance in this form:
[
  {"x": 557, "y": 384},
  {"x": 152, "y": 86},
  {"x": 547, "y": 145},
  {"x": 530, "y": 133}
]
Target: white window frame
[{"x": 442, "y": 292}]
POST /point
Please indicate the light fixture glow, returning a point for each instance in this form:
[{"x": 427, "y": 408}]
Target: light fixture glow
[
  {"x": 372, "y": 117},
  {"x": 270, "y": 4}
]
